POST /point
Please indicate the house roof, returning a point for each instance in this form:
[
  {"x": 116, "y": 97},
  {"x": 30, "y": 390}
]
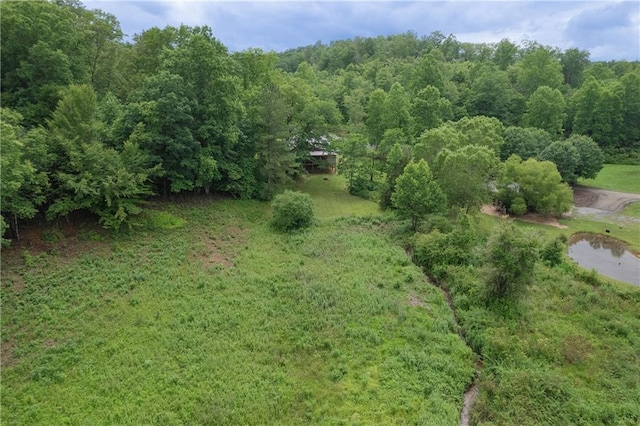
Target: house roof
[{"x": 321, "y": 153}]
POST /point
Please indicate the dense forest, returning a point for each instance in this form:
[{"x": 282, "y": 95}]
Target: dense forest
[{"x": 91, "y": 122}]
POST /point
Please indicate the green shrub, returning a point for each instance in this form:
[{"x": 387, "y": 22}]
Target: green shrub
[
  {"x": 518, "y": 206},
  {"x": 292, "y": 210},
  {"x": 552, "y": 254}
]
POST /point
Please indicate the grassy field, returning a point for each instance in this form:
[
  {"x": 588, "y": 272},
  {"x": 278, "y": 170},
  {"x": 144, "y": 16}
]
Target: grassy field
[
  {"x": 331, "y": 198},
  {"x": 616, "y": 177},
  {"x": 205, "y": 315},
  {"x": 209, "y": 317},
  {"x": 632, "y": 210}
]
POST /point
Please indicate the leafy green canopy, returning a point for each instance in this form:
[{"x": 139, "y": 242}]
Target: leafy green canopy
[{"x": 417, "y": 194}]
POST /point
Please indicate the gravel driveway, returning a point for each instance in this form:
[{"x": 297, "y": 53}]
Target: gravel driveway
[{"x": 601, "y": 199}]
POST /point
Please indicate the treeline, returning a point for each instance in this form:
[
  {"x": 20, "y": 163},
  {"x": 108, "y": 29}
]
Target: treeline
[{"x": 93, "y": 123}]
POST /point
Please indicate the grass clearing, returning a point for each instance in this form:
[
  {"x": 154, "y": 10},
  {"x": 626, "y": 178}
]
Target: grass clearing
[
  {"x": 632, "y": 210},
  {"x": 331, "y": 198},
  {"x": 616, "y": 177},
  {"x": 223, "y": 321}
]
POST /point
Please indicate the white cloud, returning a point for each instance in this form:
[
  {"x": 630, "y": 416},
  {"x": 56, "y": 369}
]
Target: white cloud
[{"x": 610, "y": 30}]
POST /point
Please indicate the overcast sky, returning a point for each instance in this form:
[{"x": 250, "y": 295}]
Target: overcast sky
[{"x": 608, "y": 30}]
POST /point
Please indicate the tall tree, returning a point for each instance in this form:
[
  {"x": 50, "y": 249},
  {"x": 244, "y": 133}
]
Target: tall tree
[
  {"x": 565, "y": 156},
  {"x": 396, "y": 109},
  {"x": 398, "y": 158},
  {"x": 23, "y": 185},
  {"x": 465, "y": 175},
  {"x": 546, "y": 110},
  {"x": 573, "y": 62},
  {"x": 276, "y": 160},
  {"x": 511, "y": 256},
  {"x": 525, "y": 142},
  {"x": 428, "y": 110},
  {"x": 591, "y": 159},
  {"x": 417, "y": 194},
  {"x": 432, "y": 141},
  {"x": 538, "y": 68},
  {"x": 480, "y": 130},
  {"x": 598, "y": 113},
  {"x": 427, "y": 73},
  {"x": 630, "y": 84},
  {"x": 90, "y": 176},
  {"x": 505, "y": 54},
  {"x": 492, "y": 95},
  {"x": 376, "y": 116}
]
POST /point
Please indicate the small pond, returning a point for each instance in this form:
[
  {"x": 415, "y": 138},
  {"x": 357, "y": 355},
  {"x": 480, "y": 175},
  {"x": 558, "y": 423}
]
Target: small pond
[{"x": 606, "y": 255}]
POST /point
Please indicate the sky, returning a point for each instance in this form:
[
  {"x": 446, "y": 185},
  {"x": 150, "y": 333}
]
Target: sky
[{"x": 608, "y": 30}]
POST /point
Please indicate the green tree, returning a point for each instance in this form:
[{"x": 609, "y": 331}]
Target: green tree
[
  {"x": 492, "y": 95},
  {"x": 432, "y": 141},
  {"x": 538, "y": 68},
  {"x": 428, "y": 110},
  {"x": 565, "y": 156},
  {"x": 357, "y": 163},
  {"x": 88, "y": 175},
  {"x": 546, "y": 110},
  {"x": 482, "y": 131},
  {"x": 391, "y": 137},
  {"x": 537, "y": 183},
  {"x": 275, "y": 159},
  {"x": 506, "y": 54},
  {"x": 166, "y": 108},
  {"x": 396, "y": 109},
  {"x": 376, "y": 123},
  {"x": 525, "y": 142},
  {"x": 22, "y": 183},
  {"x": 397, "y": 160},
  {"x": 417, "y": 194},
  {"x": 598, "y": 113},
  {"x": 512, "y": 253},
  {"x": 427, "y": 73},
  {"x": 573, "y": 62},
  {"x": 591, "y": 159},
  {"x": 465, "y": 175},
  {"x": 630, "y": 84}
]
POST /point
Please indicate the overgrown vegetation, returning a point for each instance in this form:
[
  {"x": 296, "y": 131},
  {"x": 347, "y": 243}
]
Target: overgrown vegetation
[
  {"x": 224, "y": 321},
  {"x": 560, "y": 351}
]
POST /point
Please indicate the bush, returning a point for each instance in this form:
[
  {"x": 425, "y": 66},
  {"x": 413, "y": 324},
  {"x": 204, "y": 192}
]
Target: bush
[
  {"x": 518, "y": 206},
  {"x": 552, "y": 254},
  {"x": 511, "y": 255},
  {"x": 292, "y": 211}
]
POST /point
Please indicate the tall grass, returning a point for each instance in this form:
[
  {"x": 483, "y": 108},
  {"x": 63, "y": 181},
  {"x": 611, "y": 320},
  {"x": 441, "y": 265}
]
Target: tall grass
[{"x": 222, "y": 321}]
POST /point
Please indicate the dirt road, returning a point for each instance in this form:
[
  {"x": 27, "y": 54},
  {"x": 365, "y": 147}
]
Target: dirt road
[{"x": 601, "y": 199}]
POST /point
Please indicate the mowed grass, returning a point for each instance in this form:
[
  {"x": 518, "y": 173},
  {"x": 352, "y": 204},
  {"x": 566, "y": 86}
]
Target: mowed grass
[
  {"x": 632, "y": 210},
  {"x": 616, "y": 177},
  {"x": 331, "y": 198},
  {"x": 223, "y": 321}
]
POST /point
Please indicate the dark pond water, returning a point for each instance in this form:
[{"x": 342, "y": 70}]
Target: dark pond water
[{"x": 606, "y": 255}]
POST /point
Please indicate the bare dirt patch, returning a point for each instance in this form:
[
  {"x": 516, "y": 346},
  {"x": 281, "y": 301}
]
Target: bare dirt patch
[
  {"x": 529, "y": 217},
  {"x": 221, "y": 247},
  {"x": 7, "y": 357},
  {"x": 414, "y": 300}
]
